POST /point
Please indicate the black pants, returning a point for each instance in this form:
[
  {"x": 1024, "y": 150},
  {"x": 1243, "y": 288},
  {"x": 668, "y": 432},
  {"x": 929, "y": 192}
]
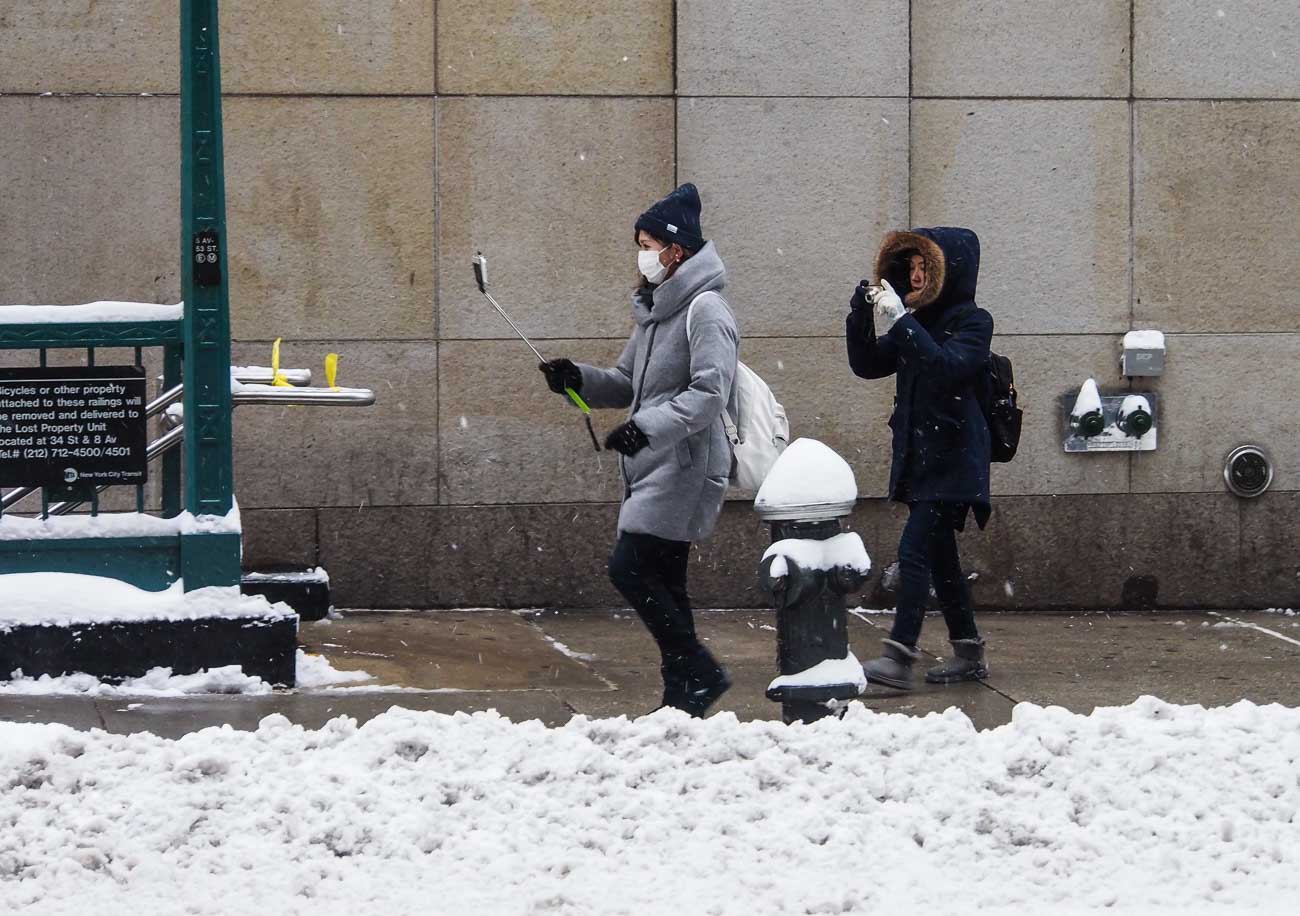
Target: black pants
[
  {"x": 650, "y": 573},
  {"x": 927, "y": 553}
]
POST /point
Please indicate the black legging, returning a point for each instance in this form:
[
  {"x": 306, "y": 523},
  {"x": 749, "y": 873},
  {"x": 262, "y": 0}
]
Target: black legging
[
  {"x": 650, "y": 572},
  {"x": 928, "y": 552}
]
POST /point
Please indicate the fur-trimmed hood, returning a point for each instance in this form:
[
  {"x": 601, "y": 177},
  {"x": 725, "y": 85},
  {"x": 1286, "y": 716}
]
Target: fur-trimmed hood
[{"x": 952, "y": 263}]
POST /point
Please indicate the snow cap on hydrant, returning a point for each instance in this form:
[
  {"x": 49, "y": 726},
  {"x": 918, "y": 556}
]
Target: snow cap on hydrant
[{"x": 809, "y": 481}]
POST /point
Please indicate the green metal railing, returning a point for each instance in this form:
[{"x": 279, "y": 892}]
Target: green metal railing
[{"x": 195, "y": 351}]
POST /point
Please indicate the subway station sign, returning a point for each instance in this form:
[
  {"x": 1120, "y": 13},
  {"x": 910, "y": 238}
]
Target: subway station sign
[{"x": 62, "y": 426}]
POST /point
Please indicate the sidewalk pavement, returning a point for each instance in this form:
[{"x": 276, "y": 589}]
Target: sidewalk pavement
[{"x": 554, "y": 664}]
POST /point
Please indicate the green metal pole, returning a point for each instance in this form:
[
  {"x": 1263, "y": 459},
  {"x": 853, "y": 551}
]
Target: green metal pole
[{"x": 209, "y": 473}]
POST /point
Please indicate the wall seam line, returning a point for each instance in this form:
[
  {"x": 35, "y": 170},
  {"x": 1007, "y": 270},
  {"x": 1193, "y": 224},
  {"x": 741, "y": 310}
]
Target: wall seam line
[
  {"x": 1132, "y": 198},
  {"x": 437, "y": 291},
  {"x": 911, "y": 108}
]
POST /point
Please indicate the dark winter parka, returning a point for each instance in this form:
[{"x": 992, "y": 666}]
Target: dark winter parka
[{"x": 939, "y": 352}]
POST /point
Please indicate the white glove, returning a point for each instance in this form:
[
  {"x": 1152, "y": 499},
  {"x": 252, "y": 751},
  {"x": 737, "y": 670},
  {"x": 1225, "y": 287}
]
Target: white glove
[{"x": 886, "y": 305}]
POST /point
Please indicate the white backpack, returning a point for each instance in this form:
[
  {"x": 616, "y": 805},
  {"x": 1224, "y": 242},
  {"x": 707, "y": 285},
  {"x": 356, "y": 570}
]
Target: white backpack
[{"x": 759, "y": 431}]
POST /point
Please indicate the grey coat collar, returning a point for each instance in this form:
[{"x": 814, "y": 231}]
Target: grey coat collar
[{"x": 701, "y": 273}]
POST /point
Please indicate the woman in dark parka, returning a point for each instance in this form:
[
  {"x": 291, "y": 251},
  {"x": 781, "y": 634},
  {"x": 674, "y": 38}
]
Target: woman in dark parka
[{"x": 935, "y": 340}]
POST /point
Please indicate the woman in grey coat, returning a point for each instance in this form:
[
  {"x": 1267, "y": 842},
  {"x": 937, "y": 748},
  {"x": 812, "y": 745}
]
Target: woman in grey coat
[{"x": 675, "y": 381}]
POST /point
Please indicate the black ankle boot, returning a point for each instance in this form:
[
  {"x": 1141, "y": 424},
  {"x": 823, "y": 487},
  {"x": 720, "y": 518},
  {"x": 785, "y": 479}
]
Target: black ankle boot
[{"x": 706, "y": 681}]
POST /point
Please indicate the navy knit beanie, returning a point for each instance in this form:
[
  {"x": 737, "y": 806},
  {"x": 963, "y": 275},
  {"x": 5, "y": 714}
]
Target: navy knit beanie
[{"x": 676, "y": 218}]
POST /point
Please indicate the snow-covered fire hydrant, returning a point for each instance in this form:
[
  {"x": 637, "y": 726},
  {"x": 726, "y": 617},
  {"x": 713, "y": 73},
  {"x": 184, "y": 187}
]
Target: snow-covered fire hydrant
[{"x": 809, "y": 569}]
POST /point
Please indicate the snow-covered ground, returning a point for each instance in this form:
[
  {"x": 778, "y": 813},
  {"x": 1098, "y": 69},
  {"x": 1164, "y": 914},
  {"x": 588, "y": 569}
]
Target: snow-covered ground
[
  {"x": 311, "y": 671},
  {"x": 1150, "y": 808}
]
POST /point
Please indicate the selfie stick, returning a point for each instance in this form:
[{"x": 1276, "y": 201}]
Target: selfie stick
[{"x": 480, "y": 276}]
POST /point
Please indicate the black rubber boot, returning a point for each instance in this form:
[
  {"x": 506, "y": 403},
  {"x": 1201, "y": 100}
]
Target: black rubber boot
[
  {"x": 894, "y": 667},
  {"x": 967, "y": 664},
  {"x": 706, "y": 681}
]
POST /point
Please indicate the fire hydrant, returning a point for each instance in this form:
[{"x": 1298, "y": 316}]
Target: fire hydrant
[{"x": 809, "y": 569}]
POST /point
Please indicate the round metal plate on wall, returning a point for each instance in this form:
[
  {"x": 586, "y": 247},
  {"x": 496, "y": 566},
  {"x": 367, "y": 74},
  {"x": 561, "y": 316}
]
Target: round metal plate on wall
[{"x": 1248, "y": 472}]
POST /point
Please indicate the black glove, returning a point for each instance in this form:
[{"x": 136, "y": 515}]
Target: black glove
[
  {"x": 859, "y": 301},
  {"x": 561, "y": 374},
  {"x": 627, "y": 439}
]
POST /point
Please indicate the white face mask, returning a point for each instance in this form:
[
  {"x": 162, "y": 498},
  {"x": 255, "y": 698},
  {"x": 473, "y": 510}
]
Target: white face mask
[{"x": 648, "y": 263}]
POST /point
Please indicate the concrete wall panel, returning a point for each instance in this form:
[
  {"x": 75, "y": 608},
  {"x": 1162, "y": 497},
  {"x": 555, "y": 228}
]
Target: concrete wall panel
[
  {"x": 1270, "y": 550},
  {"x": 797, "y": 194},
  {"x": 1014, "y": 48},
  {"x": 327, "y": 46},
  {"x": 380, "y": 557},
  {"x": 506, "y": 438},
  {"x": 383, "y": 455},
  {"x": 1218, "y": 392},
  {"x": 90, "y": 201},
  {"x": 1216, "y": 193},
  {"x": 549, "y": 189},
  {"x": 1046, "y": 186},
  {"x": 279, "y": 537},
  {"x": 792, "y": 47},
  {"x": 824, "y": 400},
  {"x": 106, "y": 46},
  {"x": 552, "y": 47},
  {"x": 1229, "y": 49},
  {"x": 1106, "y": 552},
  {"x": 331, "y": 218}
]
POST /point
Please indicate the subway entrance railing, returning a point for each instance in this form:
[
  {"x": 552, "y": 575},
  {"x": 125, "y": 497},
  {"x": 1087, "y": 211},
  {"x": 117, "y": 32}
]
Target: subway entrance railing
[{"x": 75, "y": 422}]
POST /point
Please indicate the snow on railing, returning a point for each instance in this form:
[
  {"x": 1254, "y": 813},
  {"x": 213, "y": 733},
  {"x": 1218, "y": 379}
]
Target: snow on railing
[{"x": 90, "y": 313}]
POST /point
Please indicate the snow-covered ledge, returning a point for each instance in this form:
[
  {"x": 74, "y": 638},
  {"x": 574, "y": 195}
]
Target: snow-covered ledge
[
  {"x": 91, "y": 313},
  {"x": 70, "y": 599},
  {"x": 116, "y": 525}
]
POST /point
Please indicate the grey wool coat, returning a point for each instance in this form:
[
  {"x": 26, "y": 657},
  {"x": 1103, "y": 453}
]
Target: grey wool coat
[{"x": 676, "y": 391}]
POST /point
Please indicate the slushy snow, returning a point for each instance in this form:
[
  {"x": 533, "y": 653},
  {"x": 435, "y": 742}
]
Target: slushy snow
[
  {"x": 65, "y": 599},
  {"x": 1150, "y": 809},
  {"x": 843, "y": 550},
  {"x": 313, "y": 671},
  {"x": 807, "y": 473}
]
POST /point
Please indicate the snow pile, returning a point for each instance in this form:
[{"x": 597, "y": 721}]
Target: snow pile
[
  {"x": 64, "y": 599},
  {"x": 313, "y": 671},
  {"x": 316, "y": 671},
  {"x": 1134, "y": 403},
  {"x": 843, "y": 550},
  {"x": 847, "y": 670},
  {"x": 116, "y": 525},
  {"x": 1144, "y": 340},
  {"x": 1088, "y": 401},
  {"x": 157, "y": 682},
  {"x": 92, "y": 313},
  {"x": 808, "y": 473},
  {"x": 1144, "y": 809}
]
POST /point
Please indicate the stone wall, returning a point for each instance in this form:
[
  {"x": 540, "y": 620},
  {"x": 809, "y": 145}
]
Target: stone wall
[{"x": 1127, "y": 163}]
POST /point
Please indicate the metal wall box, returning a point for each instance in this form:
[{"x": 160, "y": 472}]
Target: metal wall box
[{"x": 1144, "y": 354}]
